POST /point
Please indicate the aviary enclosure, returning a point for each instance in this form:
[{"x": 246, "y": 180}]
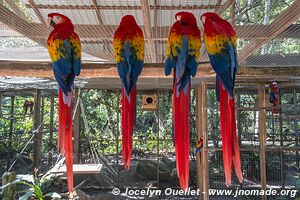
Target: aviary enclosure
[{"x": 268, "y": 48}]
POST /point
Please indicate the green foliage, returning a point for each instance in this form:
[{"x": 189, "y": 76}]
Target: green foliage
[{"x": 34, "y": 187}]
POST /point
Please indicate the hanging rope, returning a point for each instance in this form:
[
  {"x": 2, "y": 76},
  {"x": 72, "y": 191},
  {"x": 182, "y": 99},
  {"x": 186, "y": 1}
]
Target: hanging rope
[
  {"x": 87, "y": 130},
  {"x": 34, "y": 132}
]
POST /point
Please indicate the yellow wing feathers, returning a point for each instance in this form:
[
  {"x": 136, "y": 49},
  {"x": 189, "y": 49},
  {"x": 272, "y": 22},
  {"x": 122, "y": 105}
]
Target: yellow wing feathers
[
  {"x": 57, "y": 49},
  {"x": 195, "y": 45},
  {"x": 215, "y": 44},
  {"x": 137, "y": 42},
  {"x": 139, "y": 45},
  {"x": 118, "y": 46},
  {"x": 175, "y": 41}
]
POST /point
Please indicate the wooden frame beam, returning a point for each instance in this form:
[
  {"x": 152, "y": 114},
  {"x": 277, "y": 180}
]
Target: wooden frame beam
[
  {"x": 20, "y": 25},
  {"x": 99, "y": 7},
  {"x": 287, "y": 17},
  {"x": 223, "y": 7},
  {"x": 262, "y": 137},
  {"x": 37, "y": 12},
  {"x": 202, "y": 158},
  {"x": 148, "y": 29},
  {"x": 152, "y": 71},
  {"x": 16, "y": 9},
  {"x": 36, "y": 32},
  {"x": 97, "y": 10}
]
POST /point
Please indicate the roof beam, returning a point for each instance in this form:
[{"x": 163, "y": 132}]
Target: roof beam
[
  {"x": 20, "y": 25},
  {"x": 99, "y": 7},
  {"x": 150, "y": 71},
  {"x": 148, "y": 29},
  {"x": 37, "y": 12},
  {"x": 16, "y": 9},
  {"x": 223, "y": 7},
  {"x": 97, "y": 12},
  {"x": 285, "y": 19},
  {"x": 35, "y": 32}
]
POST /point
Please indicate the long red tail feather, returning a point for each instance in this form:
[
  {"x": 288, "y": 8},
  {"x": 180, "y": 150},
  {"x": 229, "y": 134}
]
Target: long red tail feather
[
  {"x": 128, "y": 122},
  {"x": 181, "y": 108},
  {"x": 230, "y": 145},
  {"x": 65, "y": 145}
]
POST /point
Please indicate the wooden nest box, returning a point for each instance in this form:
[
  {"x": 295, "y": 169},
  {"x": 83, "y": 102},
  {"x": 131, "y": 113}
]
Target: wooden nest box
[{"x": 149, "y": 102}]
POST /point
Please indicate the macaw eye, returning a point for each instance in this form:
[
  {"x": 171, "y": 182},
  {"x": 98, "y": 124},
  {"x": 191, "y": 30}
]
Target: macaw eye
[{"x": 57, "y": 17}]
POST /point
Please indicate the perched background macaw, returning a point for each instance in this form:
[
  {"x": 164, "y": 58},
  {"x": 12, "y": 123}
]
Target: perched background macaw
[
  {"x": 274, "y": 96},
  {"x": 128, "y": 47},
  {"x": 183, "y": 52},
  {"x": 65, "y": 52},
  {"x": 220, "y": 41}
]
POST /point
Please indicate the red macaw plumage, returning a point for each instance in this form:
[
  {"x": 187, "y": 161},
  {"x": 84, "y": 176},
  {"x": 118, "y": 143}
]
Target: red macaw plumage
[
  {"x": 65, "y": 52},
  {"x": 274, "y": 96},
  {"x": 128, "y": 47},
  {"x": 183, "y": 52},
  {"x": 220, "y": 40}
]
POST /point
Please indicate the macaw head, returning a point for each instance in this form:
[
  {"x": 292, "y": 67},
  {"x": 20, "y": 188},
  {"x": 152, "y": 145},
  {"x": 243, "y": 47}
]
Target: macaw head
[
  {"x": 55, "y": 19},
  {"x": 200, "y": 143},
  {"x": 128, "y": 21},
  {"x": 186, "y": 19},
  {"x": 187, "y": 22},
  {"x": 210, "y": 16},
  {"x": 274, "y": 86}
]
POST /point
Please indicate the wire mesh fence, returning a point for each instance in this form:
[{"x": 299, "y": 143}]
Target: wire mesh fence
[{"x": 153, "y": 147}]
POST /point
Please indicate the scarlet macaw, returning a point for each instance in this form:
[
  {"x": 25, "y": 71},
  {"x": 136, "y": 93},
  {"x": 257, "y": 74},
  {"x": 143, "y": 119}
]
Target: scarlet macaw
[
  {"x": 274, "y": 96},
  {"x": 128, "y": 47},
  {"x": 183, "y": 52},
  {"x": 220, "y": 40},
  {"x": 65, "y": 52}
]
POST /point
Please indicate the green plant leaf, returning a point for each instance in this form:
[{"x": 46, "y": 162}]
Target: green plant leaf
[
  {"x": 25, "y": 183},
  {"x": 38, "y": 192}
]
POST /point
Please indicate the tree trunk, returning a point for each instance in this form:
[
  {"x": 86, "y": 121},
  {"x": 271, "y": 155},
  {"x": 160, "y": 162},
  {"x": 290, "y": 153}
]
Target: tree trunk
[{"x": 266, "y": 21}]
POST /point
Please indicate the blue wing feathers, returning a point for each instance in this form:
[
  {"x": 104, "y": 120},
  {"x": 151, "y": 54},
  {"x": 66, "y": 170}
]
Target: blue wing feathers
[
  {"x": 225, "y": 65},
  {"x": 66, "y": 67},
  {"x": 185, "y": 65},
  {"x": 129, "y": 68},
  {"x": 193, "y": 66}
]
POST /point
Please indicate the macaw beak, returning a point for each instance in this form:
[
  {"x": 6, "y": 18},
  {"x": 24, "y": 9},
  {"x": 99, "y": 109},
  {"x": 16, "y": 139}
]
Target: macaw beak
[
  {"x": 49, "y": 22},
  {"x": 203, "y": 19}
]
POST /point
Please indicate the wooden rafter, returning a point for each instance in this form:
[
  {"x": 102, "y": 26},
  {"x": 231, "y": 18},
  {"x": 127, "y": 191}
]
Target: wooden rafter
[
  {"x": 223, "y": 7},
  {"x": 148, "y": 29},
  {"x": 97, "y": 12},
  {"x": 287, "y": 17},
  {"x": 20, "y": 25},
  {"x": 100, "y": 7},
  {"x": 37, "y": 12},
  {"x": 39, "y": 32},
  {"x": 16, "y": 9},
  {"x": 155, "y": 30}
]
